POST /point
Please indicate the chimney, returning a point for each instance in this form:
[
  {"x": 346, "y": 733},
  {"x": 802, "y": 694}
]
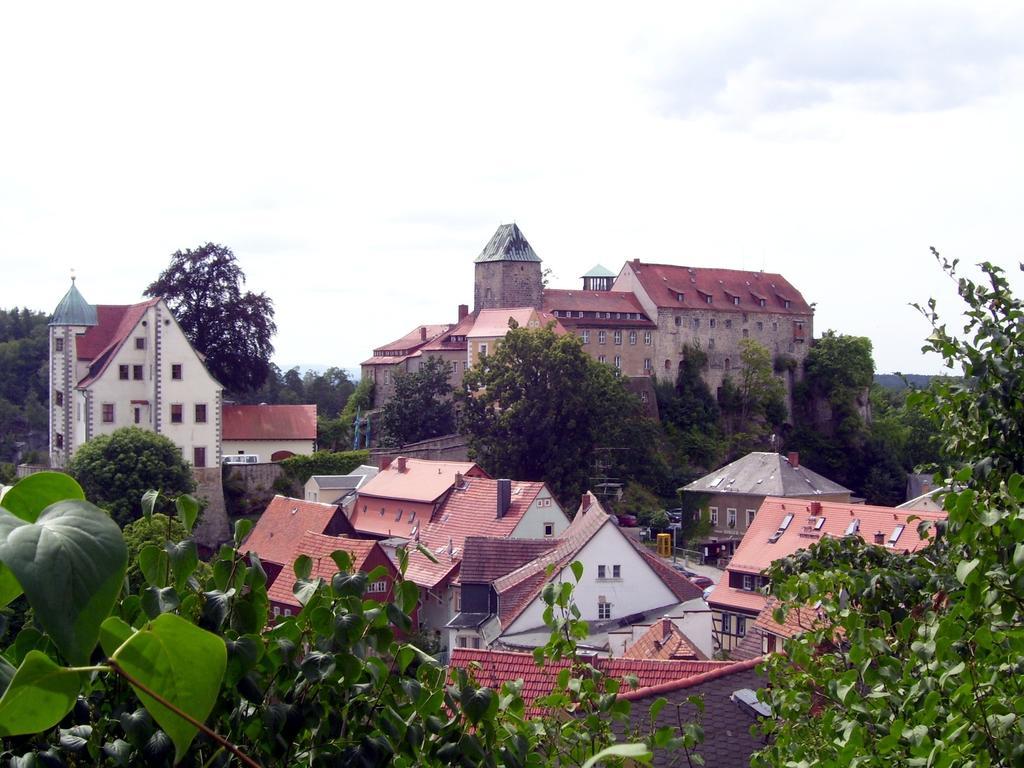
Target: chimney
[
  {"x": 636, "y": 262},
  {"x": 423, "y": 333},
  {"x": 584, "y": 502},
  {"x": 666, "y": 626},
  {"x": 458, "y": 480},
  {"x": 401, "y": 463},
  {"x": 794, "y": 459},
  {"x": 463, "y": 311},
  {"x": 383, "y": 462},
  {"x": 815, "y": 508},
  {"x": 504, "y": 497},
  {"x": 879, "y": 537}
]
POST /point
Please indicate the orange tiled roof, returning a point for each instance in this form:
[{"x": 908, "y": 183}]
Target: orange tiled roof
[
  {"x": 664, "y": 282},
  {"x": 420, "y": 480},
  {"x": 493, "y": 668},
  {"x": 757, "y": 552},
  {"x": 492, "y": 323},
  {"x": 799, "y": 619},
  {"x": 663, "y": 640},
  {"x": 622, "y": 302},
  {"x": 269, "y": 422},
  {"x": 319, "y": 548},
  {"x": 740, "y": 599},
  {"x": 275, "y": 534}
]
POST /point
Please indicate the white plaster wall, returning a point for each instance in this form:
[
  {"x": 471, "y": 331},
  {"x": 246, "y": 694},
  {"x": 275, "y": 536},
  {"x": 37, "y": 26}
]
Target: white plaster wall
[
  {"x": 638, "y": 589},
  {"x": 544, "y": 509},
  {"x": 267, "y": 448}
]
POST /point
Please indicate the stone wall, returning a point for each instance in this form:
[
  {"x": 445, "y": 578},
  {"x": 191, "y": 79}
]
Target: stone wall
[
  {"x": 506, "y": 284},
  {"x": 446, "y": 448},
  {"x": 213, "y": 528},
  {"x": 255, "y": 482}
]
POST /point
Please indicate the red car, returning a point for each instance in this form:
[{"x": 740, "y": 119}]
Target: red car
[{"x": 627, "y": 521}]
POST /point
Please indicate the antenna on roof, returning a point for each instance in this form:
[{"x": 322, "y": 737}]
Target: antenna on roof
[{"x": 72, "y": 274}]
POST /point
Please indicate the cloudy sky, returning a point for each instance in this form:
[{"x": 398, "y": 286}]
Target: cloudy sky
[{"x": 357, "y": 160}]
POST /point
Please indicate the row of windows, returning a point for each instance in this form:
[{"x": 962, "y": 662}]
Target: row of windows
[
  {"x": 727, "y": 322},
  {"x": 734, "y": 625},
  {"x": 730, "y": 516},
  {"x": 199, "y": 413},
  {"x": 615, "y": 572},
  {"x": 597, "y": 315},
  {"x": 602, "y": 337},
  {"x": 618, "y": 362}
]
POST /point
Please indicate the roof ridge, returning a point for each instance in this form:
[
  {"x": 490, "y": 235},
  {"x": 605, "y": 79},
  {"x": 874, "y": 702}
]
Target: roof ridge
[{"x": 727, "y": 668}]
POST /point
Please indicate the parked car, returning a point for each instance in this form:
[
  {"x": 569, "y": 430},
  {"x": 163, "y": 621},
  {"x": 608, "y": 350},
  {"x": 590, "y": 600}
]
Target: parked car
[
  {"x": 627, "y": 521},
  {"x": 702, "y": 581}
]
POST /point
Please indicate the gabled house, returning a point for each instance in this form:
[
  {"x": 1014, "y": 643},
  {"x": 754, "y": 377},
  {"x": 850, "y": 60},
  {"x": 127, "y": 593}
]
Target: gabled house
[
  {"x": 785, "y": 526},
  {"x": 365, "y": 555},
  {"x": 114, "y": 366},
  {"x": 731, "y": 495},
  {"x": 622, "y": 581},
  {"x": 283, "y": 523},
  {"x": 437, "y": 505},
  {"x": 339, "y": 489},
  {"x": 269, "y": 432},
  {"x": 494, "y": 668},
  {"x": 663, "y": 640}
]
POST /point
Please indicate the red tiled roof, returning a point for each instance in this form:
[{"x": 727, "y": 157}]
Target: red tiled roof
[
  {"x": 444, "y": 343},
  {"x": 274, "y": 536},
  {"x": 738, "y": 599},
  {"x": 756, "y": 553},
  {"x": 799, "y": 619},
  {"x": 487, "y": 558},
  {"x": 492, "y": 323},
  {"x": 664, "y": 282},
  {"x": 414, "y": 338},
  {"x": 724, "y": 669},
  {"x": 594, "y": 301},
  {"x": 420, "y": 480},
  {"x": 269, "y": 422},
  {"x": 100, "y": 342},
  {"x": 663, "y": 640},
  {"x": 494, "y": 668},
  {"x": 319, "y": 548}
]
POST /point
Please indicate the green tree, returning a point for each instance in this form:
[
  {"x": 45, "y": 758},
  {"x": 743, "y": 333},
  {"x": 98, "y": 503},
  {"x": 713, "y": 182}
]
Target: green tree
[
  {"x": 24, "y": 341},
  {"x": 648, "y": 508},
  {"x": 152, "y": 530},
  {"x": 116, "y": 469},
  {"x": 232, "y": 329},
  {"x": 421, "y": 406},
  {"x": 540, "y": 408},
  {"x": 690, "y": 414},
  {"x": 754, "y": 404},
  {"x": 916, "y": 660}
]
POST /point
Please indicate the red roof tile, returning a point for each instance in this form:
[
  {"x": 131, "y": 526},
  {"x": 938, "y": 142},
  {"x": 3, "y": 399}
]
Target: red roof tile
[
  {"x": 487, "y": 558},
  {"x": 414, "y": 339},
  {"x": 319, "y": 548},
  {"x": 491, "y": 323},
  {"x": 738, "y": 599},
  {"x": 663, "y": 640},
  {"x": 664, "y": 282},
  {"x": 618, "y": 302},
  {"x": 275, "y": 534},
  {"x": 420, "y": 480},
  {"x": 799, "y": 619},
  {"x": 100, "y": 342},
  {"x": 494, "y": 668},
  {"x": 723, "y": 669},
  {"x": 269, "y": 422}
]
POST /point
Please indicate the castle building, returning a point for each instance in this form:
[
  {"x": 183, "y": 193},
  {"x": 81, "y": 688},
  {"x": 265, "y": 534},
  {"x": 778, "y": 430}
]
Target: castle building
[
  {"x": 115, "y": 366},
  {"x": 640, "y": 321}
]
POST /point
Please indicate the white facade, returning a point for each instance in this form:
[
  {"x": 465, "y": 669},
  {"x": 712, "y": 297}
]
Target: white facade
[
  {"x": 267, "y": 449},
  {"x": 148, "y": 377},
  {"x": 636, "y": 588},
  {"x": 543, "y": 519}
]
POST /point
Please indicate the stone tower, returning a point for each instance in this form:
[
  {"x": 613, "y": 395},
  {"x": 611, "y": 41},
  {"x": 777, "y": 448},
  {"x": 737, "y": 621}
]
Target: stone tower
[
  {"x": 507, "y": 272},
  {"x": 71, "y": 318}
]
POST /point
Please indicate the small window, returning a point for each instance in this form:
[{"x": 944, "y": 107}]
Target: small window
[
  {"x": 750, "y": 516},
  {"x": 602, "y": 359},
  {"x": 632, "y": 337},
  {"x": 713, "y": 511},
  {"x": 711, "y": 323},
  {"x": 616, "y": 571},
  {"x": 647, "y": 364},
  {"x": 735, "y": 300},
  {"x": 58, "y": 344},
  {"x": 775, "y": 326},
  {"x": 549, "y": 530},
  {"x": 483, "y": 350},
  {"x": 122, "y": 372},
  {"x": 378, "y": 586},
  {"x": 679, "y": 320},
  {"x": 711, "y": 343},
  {"x": 761, "y": 302},
  {"x": 785, "y": 522},
  {"x": 463, "y": 641},
  {"x": 138, "y": 415},
  {"x": 679, "y": 297},
  {"x": 58, "y": 438},
  {"x": 726, "y": 623},
  {"x": 140, "y": 342},
  {"x": 176, "y": 411},
  {"x": 137, "y": 372},
  {"x": 176, "y": 371},
  {"x": 696, "y": 322},
  {"x": 108, "y": 413},
  {"x": 730, "y": 517},
  {"x": 617, "y": 337},
  {"x": 643, "y": 398},
  {"x": 602, "y": 337},
  {"x": 287, "y": 611},
  {"x": 200, "y": 413},
  {"x": 748, "y": 582},
  {"x": 895, "y": 535},
  {"x": 198, "y": 456},
  {"x": 728, "y": 323},
  {"x": 601, "y": 571},
  {"x": 58, "y": 397},
  {"x": 853, "y": 527},
  {"x": 818, "y": 523},
  {"x": 647, "y": 338},
  {"x": 618, "y": 361},
  {"x": 476, "y": 643},
  {"x": 604, "y": 611},
  {"x": 741, "y": 626},
  {"x": 786, "y": 303},
  {"x": 746, "y": 333},
  {"x": 585, "y": 335},
  {"x": 760, "y": 325}
]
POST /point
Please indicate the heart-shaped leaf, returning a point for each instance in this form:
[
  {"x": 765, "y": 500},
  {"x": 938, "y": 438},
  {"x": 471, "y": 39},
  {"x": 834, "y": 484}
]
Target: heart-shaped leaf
[
  {"x": 188, "y": 510},
  {"x": 181, "y": 663},
  {"x": 40, "y": 694},
  {"x": 149, "y": 500},
  {"x": 71, "y": 564},
  {"x": 32, "y": 494},
  {"x": 153, "y": 563},
  {"x": 184, "y": 559}
]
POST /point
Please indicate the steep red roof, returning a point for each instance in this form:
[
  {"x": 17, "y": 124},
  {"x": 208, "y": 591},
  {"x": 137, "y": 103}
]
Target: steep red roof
[
  {"x": 319, "y": 548},
  {"x": 275, "y": 534},
  {"x": 663, "y": 640},
  {"x": 665, "y": 282},
  {"x": 495, "y": 322},
  {"x": 494, "y": 668},
  {"x": 100, "y": 342},
  {"x": 723, "y": 669},
  {"x": 269, "y": 422},
  {"x": 623, "y": 308},
  {"x": 398, "y": 350}
]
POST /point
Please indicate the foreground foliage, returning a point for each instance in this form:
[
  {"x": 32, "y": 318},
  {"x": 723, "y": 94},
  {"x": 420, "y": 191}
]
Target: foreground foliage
[
  {"x": 186, "y": 671},
  {"x": 917, "y": 660}
]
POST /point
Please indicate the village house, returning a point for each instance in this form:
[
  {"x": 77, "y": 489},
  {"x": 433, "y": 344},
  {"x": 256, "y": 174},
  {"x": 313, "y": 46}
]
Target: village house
[
  {"x": 784, "y": 526},
  {"x": 339, "y": 489},
  {"x": 664, "y": 639},
  {"x": 638, "y": 321},
  {"x": 268, "y": 432},
  {"x": 437, "y": 505},
  {"x": 731, "y": 495},
  {"x": 501, "y": 583},
  {"x": 113, "y": 366}
]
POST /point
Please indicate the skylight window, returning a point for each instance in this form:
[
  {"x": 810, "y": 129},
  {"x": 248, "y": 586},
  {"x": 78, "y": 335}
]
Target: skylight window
[
  {"x": 785, "y": 522},
  {"x": 895, "y": 535},
  {"x": 853, "y": 527},
  {"x": 716, "y": 482},
  {"x": 818, "y": 523}
]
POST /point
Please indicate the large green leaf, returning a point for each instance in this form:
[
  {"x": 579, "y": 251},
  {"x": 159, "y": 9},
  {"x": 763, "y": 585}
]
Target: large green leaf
[
  {"x": 181, "y": 663},
  {"x": 39, "y": 696},
  {"x": 188, "y": 510},
  {"x": 71, "y": 564},
  {"x": 36, "y": 492}
]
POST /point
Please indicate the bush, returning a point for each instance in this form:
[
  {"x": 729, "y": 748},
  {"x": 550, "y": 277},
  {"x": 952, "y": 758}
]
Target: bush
[{"x": 299, "y": 469}]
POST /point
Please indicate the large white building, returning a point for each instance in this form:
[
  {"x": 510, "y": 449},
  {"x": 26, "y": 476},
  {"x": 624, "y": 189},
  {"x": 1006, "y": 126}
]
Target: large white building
[{"x": 115, "y": 366}]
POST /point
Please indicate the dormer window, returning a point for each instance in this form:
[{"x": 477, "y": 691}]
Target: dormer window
[
  {"x": 679, "y": 296},
  {"x": 708, "y": 298},
  {"x": 761, "y": 302},
  {"x": 735, "y": 300},
  {"x": 786, "y": 303}
]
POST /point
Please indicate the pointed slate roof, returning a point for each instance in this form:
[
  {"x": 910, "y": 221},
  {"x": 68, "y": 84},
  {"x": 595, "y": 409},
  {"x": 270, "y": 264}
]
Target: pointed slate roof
[
  {"x": 508, "y": 244},
  {"x": 599, "y": 270},
  {"x": 73, "y": 309}
]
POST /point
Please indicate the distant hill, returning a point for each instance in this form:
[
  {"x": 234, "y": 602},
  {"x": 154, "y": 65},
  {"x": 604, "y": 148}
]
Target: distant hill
[{"x": 896, "y": 380}]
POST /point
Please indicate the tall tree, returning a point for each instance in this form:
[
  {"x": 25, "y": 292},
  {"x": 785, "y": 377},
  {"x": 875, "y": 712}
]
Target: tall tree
[
  {"x": 232, "y": 329},
  {"x": 421, "y": 407},
  {"x": 540, "y": 408}
]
